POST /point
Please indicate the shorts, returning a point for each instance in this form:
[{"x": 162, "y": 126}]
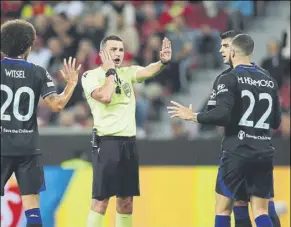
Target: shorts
[
  {"x": 239, "y": 178},
  {"x": 243, "y": 196},
  {"x": 115, "y": 168},
  {"x": 28, "y": 171}
]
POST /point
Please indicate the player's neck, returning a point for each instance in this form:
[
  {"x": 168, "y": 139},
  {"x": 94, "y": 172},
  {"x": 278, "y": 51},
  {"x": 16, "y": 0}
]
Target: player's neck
[{"x": 242, "y": 62}]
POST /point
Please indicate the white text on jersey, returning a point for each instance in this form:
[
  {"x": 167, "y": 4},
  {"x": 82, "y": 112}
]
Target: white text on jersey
[
  {"x": 15, "y": 73},
  {"x": 260, "y": 83}
]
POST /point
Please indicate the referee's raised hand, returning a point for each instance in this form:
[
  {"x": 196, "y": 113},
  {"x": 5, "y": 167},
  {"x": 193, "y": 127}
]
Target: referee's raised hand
[
  {"x": 70, "y": 72},
  {"x": 107, "y": 62},
  {"x": 166, "y": 52}
]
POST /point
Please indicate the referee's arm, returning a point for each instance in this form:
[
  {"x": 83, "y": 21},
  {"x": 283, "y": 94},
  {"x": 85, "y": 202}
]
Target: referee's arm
[
  {"x": 155, "y": 68},
  {"x": 149, "y": 71},
  {"x": 224, "y": 103},
  {"x": 92, "y": 87},
  {"x": 104, "y": 94}
]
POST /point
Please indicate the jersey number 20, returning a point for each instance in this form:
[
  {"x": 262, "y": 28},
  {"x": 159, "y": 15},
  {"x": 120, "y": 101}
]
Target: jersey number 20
[
  {"x": 261, "y": 122},
  {"x": 16, "y": 102}
]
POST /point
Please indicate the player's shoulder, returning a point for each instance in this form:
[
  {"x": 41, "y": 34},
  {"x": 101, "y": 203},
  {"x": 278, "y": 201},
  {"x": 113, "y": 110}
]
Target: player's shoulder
[
  {"x": 226, "y": 71},
  {"x": 266, "y": 74},
  {"x": 41, "y": 72},
  {"x": 37, "y": 69},
  {"x": 263, "y": 70},
  {"x": 227, "y": 79},
  {"x": 229, "y": 74},
  {"x": 223, "y": 73}
]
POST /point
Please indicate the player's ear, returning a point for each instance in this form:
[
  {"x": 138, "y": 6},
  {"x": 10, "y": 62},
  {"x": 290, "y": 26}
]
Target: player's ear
[{"x": 232, "y": 52}]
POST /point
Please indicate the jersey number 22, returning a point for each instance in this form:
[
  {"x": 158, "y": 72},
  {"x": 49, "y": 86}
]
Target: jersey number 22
[{"x": 261, "y": 122}]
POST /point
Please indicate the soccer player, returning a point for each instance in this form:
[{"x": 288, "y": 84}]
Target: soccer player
[
  {"x": 247, "y": 105},
  {"x": 109, "y": 92},
  {"x": 241, "y": 211},
  {"x": 22, "y": 84}
]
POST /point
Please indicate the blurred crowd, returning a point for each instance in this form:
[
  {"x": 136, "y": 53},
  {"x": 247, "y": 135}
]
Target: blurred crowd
[{"x": 75, "y": 28}]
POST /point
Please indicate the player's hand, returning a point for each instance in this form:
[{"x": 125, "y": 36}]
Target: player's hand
[
  {"x": 182, "y": 112},
  {"x": 107, "y": 62},
  {"x": 166, "y": 52},
  {"x": 70, "y": 73}
]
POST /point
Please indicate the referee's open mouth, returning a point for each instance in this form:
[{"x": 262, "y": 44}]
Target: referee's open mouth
[{"x": 116, "y": 61}]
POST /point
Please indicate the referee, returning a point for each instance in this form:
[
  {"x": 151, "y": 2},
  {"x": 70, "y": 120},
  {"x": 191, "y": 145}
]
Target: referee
[{"x": 109, "y": 92}]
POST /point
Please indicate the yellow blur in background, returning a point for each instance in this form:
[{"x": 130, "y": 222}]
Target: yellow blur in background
[{"x": 170, "y": 197}]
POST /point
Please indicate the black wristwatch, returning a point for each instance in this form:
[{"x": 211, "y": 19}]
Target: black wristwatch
[{"x": 110, "y": 72}]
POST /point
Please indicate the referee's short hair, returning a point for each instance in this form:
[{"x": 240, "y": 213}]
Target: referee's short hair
[
  {"x": 17, "y": 36},
  {"x": 110, "y": 37},
  {"x": 230, "y": 34},
  {"x": 244, "y": 43}
]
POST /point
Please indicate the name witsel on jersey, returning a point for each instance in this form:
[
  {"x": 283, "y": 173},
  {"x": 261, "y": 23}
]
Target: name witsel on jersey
[
  {"x": 260, "y": 83},
  {"x": 15, "y": 73}
]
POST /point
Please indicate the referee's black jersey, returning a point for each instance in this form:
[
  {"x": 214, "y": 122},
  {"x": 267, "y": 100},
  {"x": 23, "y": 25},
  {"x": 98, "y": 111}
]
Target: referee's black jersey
[
  {"x": 247, "y": 105},
  {"x": 22, "y": 84}
]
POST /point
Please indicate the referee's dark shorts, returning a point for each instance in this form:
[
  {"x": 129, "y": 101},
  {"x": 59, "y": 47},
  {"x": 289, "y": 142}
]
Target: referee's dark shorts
[{"x": 115, "y": 167}]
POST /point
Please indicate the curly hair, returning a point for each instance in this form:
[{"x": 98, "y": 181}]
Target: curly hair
[{"x": 17, "y": 36}]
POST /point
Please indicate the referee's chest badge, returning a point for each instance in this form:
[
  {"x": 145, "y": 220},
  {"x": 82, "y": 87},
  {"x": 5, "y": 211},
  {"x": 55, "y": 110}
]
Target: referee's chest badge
[{"x": 127, "y": 90}]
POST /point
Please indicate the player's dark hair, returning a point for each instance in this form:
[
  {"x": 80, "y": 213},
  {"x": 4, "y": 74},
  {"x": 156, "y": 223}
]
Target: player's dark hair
[
  {"x": 110, "y": 37},
  {"x": 245, "y": 43},
  {"x": 17, "y": 36},
  {"x": 230, "y": 34}
]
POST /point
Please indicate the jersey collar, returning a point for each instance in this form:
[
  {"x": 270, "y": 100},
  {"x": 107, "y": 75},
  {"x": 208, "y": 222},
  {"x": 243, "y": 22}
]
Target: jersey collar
[
  {"x": 7, "y": 60},
  {"x": 242, "y": 67},
  {"x": 14, "y": 59},
  {"x": 246, "y": 66}
]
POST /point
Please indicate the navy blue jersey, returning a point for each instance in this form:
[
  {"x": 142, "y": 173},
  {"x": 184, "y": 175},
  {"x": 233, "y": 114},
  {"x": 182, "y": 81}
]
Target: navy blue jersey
[
  {"x": 22, "y": 84},
  {"x": 247, "y": 104},
  {"x": 212, "y": 99}
]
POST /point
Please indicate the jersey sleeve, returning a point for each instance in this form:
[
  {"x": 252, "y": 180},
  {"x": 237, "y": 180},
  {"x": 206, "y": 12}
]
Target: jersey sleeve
[
  {"x": 132, "y": 73},
  {"x": 47, "y": 86},
  {"x": 226, "y": 88},
  {"x": 90, "y": 81},
  {"x": 225, "y": 97},
  {"x": 211, "y": 100}
]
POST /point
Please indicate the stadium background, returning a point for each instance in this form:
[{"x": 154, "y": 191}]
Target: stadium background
[{"x": 177, "y": 171}]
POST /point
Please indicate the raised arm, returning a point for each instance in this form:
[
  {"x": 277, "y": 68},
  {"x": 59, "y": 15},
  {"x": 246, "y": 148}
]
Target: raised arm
[
  {"x": 58, "y": 101},
  {"x": 154, "y": 69}
]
